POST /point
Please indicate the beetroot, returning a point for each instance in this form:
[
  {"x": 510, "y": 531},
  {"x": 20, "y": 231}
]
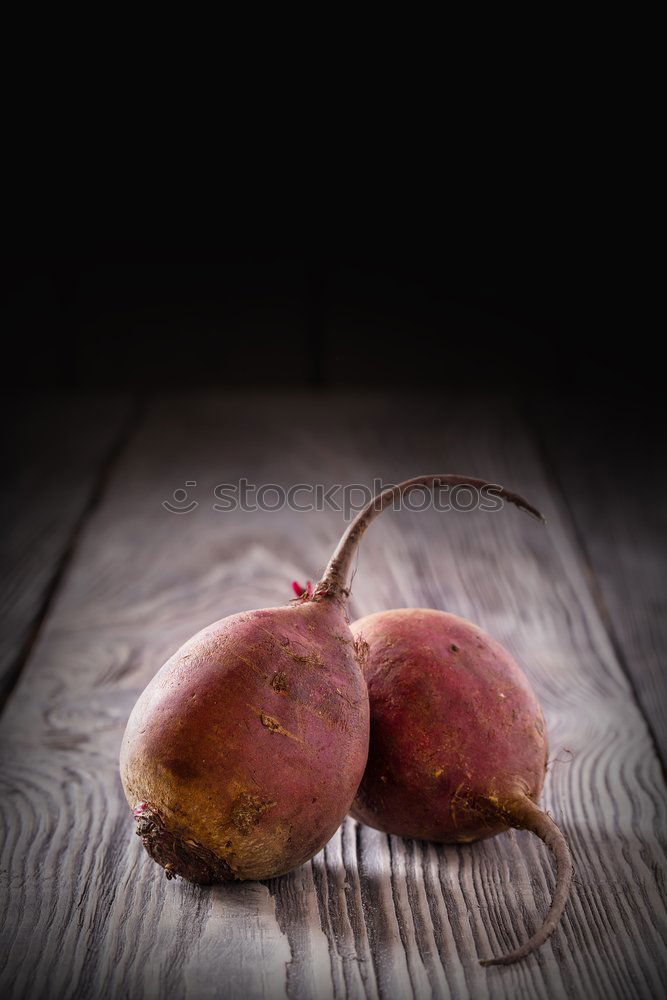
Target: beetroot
[
  {"x": 244, "y": 753},
  {"x": 458, "y": 747}
]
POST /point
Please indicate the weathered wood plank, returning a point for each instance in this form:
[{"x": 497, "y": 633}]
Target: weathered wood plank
[
  {"x": 90, "y": 915},
  {"x": 54, "y": 451},
  {"x": 608, "y": 464}
]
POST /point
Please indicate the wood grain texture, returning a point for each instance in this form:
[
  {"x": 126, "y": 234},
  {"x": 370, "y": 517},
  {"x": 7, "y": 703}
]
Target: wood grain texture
[
  {"x": 608, "y": 466},
  {"x": 54, "y": 451},
  {"x": 88, "y": 913}
]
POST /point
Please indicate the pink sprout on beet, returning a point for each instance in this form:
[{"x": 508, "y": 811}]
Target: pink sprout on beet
[
  {"x": 300, "y": 591},
  {"x": 139, "y": 808}
]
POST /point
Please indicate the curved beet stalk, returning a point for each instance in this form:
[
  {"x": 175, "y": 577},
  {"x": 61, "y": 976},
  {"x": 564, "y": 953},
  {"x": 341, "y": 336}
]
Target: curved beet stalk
[
  {"x": 336, "y": 577},
  {"x": 521, "y": 813}
]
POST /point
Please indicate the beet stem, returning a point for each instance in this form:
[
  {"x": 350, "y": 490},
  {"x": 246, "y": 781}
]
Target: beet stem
[
  {"x": 336, "y": 579},
  {"x": 525, "y": 815}
]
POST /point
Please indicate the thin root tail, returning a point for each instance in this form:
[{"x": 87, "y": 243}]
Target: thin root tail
[{"x": 525, "y": 815}]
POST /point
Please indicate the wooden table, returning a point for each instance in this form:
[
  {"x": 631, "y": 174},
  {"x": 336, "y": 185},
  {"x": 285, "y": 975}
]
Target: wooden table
[{"x": 101, "y": 583}]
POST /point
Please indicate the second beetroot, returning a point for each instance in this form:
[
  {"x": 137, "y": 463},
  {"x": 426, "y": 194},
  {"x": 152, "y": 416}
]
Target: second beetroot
[{"x": 458, "y": 747}]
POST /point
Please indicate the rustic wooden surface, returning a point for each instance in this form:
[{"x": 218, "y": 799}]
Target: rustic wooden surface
[
  {"x": 87, "y": 914},
  {"x": 54, "y": 457},
  {"x": 619, "y": 515}
]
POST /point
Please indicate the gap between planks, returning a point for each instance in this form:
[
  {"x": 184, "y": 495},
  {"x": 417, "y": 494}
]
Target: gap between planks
[
  {"x": 128, "y": 428},
  {"x": 591, "y": 576}
]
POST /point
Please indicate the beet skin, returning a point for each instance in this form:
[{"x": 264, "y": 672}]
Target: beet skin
[{"x": 243, "y": 754}]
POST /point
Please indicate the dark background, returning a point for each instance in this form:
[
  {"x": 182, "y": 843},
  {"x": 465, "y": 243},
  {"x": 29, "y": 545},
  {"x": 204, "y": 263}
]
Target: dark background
[
  {"x": 559, "y": 323},
  {"x": 399, "y": 314}
]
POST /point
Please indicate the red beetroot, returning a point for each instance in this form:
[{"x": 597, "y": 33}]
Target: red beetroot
[
  {"x": 244, "y": 753},
  {"x": 458, "y": 747}
]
